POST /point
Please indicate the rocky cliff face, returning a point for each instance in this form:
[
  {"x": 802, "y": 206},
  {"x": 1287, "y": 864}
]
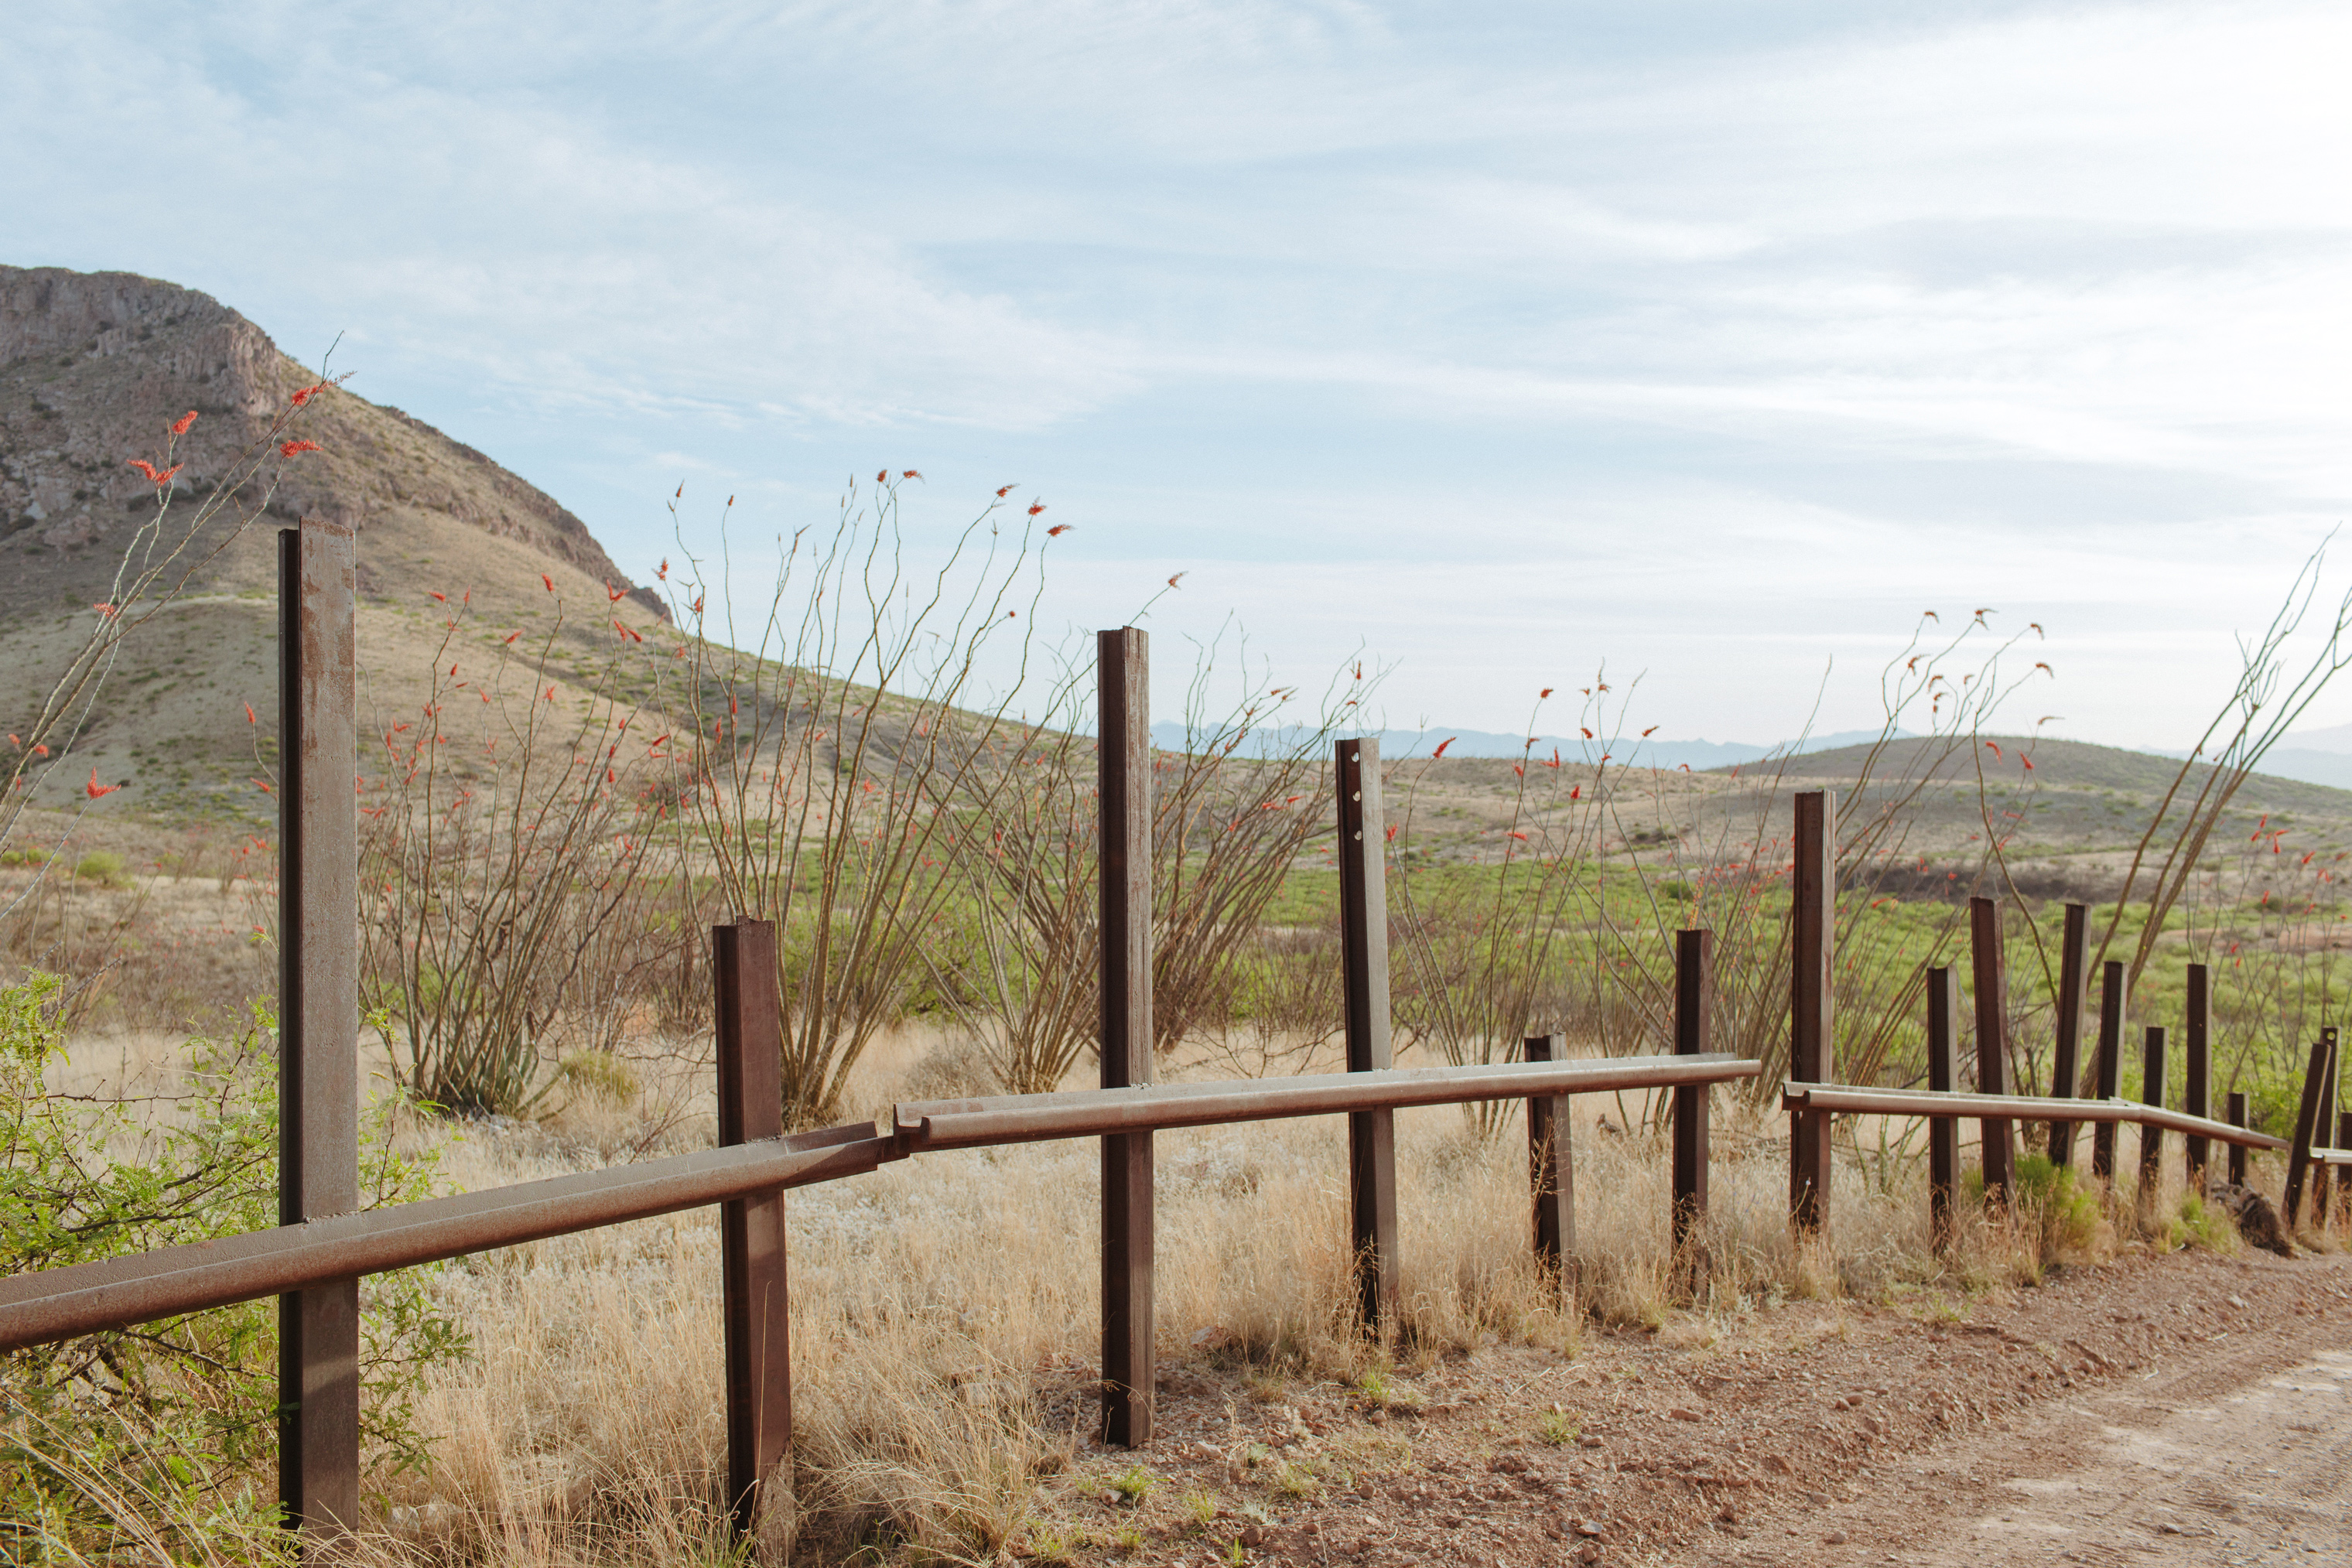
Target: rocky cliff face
[{"x": 95, "y": 366}]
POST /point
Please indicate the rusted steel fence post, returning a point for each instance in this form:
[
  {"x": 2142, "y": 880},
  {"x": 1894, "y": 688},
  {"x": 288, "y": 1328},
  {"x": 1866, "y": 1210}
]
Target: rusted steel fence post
[
  {"x": 2073, "y": 956},
  {"x": 319, "y": 1015},
  {"x": 2151, "y": 1092},
  {"x": 2237, "y": 1118},
  {"x": 1693, "y": 997},
  {"x": 2321, "y": 1128},
  {"x": 2306, "y": 1122},
  {"x": 1364, "y": 959},
  {"x": 1124, "y": 727},
  {"x": 1993, "y": 1045},
  {"x": 2109, "y": 1068},
  {"x": 1813, "y": 1003},
  {"x": 2344, "y": 1179},
  {"x": 2196, "y": 1080},
  {"x": 756, "y": 1302},
  {"x": 1943, "y": 1131},
  {"x": 1551, "y": 1170}
]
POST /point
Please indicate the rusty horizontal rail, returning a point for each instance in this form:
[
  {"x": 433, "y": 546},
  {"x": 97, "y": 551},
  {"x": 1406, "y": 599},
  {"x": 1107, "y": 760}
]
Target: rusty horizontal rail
[
  {"x": 60, "y": 1303},
  {"x": 1940, "y": 1103},
  {"x": 924, "y": 1127}
]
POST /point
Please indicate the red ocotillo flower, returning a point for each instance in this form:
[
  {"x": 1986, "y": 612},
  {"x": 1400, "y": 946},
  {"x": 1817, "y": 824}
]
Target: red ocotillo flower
[
  {"x": 1442, "y": 745},
  {"x": 94, "y": 789},
  {"x": 296, "y": 448},
  {"x": 180, "y": 425}
]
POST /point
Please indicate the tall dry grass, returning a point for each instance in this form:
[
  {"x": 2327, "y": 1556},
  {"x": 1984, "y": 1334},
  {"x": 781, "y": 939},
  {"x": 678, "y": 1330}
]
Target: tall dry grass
[{"x": 940, "y": 1304}]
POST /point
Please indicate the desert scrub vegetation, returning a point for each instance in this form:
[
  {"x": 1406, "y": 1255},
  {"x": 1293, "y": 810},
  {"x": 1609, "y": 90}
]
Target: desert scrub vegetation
[
  {"x": 894, "y": 767},
  {"x": 179, "y": 1415}
]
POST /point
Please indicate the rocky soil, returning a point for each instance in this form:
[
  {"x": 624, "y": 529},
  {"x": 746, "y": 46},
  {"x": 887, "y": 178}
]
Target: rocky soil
[{"x": 2164, "y": 1410}]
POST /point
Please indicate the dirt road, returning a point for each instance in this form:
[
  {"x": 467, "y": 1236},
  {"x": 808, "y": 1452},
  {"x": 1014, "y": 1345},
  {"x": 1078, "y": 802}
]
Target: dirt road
[
  {"x": 2240, "y": 1454},
  {"x": 2180, "y": 1409}
]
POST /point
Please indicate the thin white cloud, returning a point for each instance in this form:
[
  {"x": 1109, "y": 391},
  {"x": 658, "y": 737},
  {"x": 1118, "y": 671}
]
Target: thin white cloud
[{"x": 1651, "y": 329}]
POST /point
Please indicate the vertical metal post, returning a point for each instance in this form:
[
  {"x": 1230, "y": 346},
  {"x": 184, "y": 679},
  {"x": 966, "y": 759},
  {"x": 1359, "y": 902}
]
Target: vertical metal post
[
  {"x": 2197, "y": 1083},
  {"x": 2073, "y": 956},
  {"x": 2151, "y": 1092},
  {"x": 1552, "y": 1171},
  {"x": 1813, "y": 1003},
  {"x": 1943, "y": 1077},
  {"x": 1364, "y": 961},
  {"x": 755, "y": 1294},
  {"x": 2237, "y": 1118},
  {"x": 2321, "y": 1129},
  {"x": 1693, "y": 997},
  {"x": 2344, "y": 1179},
  {"x": 319, "y": 1015},
  {"x": 1992, "y": 1044},
  {"x": 2109, "y": 1065},
  {"x": 2306, "y": 1122},
  {"x": 1130, "y": 1352}
]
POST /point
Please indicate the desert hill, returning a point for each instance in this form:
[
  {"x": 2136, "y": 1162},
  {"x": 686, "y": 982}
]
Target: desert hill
[
  {"x": 2068, "y": 765},
  {"x": 94, "y": 366}
]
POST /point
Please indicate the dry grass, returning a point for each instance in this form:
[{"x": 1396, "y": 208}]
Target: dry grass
[
  {"x": 932, "y": 1297},
  {"x": 938, "y": 1300}
]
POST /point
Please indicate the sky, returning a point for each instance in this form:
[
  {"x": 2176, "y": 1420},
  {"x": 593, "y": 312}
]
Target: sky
[{"x": 1710, "y": 343}]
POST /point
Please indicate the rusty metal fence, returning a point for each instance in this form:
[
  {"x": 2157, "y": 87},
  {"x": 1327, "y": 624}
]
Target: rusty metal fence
[{"x": 314, "y": 1259}]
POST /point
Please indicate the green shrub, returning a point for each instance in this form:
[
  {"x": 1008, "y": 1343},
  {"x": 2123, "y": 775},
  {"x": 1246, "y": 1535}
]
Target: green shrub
[
  {"x": 2197, "y": 1226},
  {"x": 104, "y": 867},
  {"x": 173, "y": 1422},
  {"x": 2062, "y": 1218}
]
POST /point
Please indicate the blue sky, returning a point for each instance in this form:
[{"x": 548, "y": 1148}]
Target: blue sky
[{"x": 1713, "y": 340}]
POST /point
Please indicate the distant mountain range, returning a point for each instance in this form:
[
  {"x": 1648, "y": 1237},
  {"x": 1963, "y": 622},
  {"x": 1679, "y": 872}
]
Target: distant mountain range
[
  {"x": 2311, "y": 757},
  {"x": 1399, "y": 744}
]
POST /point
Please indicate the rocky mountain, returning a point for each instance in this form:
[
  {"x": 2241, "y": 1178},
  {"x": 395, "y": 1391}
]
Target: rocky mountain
[{"x": 94, "y": 369}]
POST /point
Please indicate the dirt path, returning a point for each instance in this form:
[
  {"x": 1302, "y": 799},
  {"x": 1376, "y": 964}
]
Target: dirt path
[
  {"x": 2188, "y": 1408},
  {"x": 2241, "y": 1454}
]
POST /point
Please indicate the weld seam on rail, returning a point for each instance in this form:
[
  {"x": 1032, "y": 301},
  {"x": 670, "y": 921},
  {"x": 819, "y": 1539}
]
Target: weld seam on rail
[{"x": 2018, "y": 1108}]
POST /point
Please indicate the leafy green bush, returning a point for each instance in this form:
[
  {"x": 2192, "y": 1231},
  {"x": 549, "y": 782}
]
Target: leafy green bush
[
  {"x": 104, "y": 867},
  {"x": 176, "y": 1420}
]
